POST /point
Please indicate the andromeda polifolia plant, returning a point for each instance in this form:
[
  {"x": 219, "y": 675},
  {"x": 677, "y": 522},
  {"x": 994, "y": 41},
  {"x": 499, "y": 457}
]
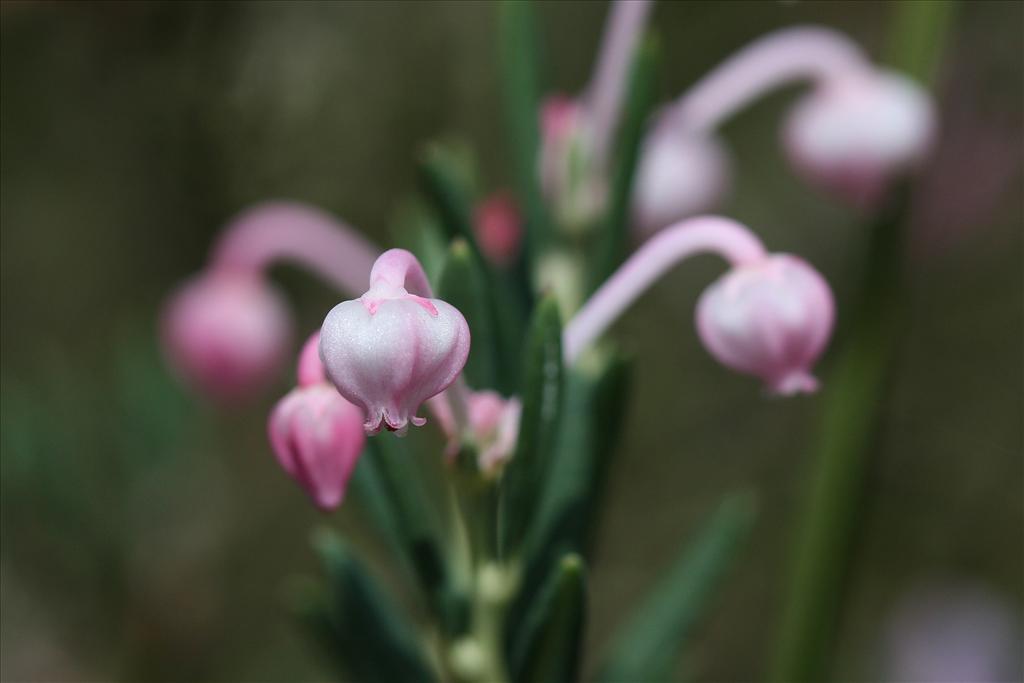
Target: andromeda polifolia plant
[{"x": 489, "y": 330}]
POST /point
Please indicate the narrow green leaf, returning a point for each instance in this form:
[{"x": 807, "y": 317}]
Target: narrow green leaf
[
  {"x": 920, "y": 29},
  {"x": 464, "y": 285},
  {"x": 446, "y": 178},
  {"x": 373, "y": 641},
  {"x": 519, "y": 46},
  {"x": 646, "y": 648},
  {"x": 593, "y": 414},
  {"x": 549, "y": 650},
  {"x": 417, "y": 529},
  {"x": 542, "y": 398},
  {"x": 416, "y": 228},
  {"x": 611, "y": 246}
]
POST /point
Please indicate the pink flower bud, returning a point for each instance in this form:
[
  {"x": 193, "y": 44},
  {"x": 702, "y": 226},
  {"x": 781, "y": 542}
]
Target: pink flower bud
[
  {"x": 392, "y": 349},
  {"x": 566, "y": 163},
  {"x": 226, "y": 332},
  {"x": 851, "y": 135},
  {"x": 316, "y": 434},
  {"x": 499, "y": 228},
  {"x": 770, "y": 318},
  {"x": 493, "y": 421},
  {"x": 679, "y": 175}
]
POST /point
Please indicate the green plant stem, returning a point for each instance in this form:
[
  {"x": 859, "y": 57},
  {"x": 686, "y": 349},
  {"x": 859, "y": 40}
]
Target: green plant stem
[{"x": 854, "y": 402}]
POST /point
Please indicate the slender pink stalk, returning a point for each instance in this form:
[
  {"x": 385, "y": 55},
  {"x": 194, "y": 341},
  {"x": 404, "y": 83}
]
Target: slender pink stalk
[
  {"x": 622, "y": 32},
  {"x": 805, "y": 52},
  {"x": 722, "y": 236},
  {"x": 289, "y": 231}
]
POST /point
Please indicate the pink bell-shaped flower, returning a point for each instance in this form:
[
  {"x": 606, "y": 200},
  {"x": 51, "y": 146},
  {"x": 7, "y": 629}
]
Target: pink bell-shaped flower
[
  {"x": 498, "y": 226},
  {"x": 851, "y": 135},
  {"x": 316, "y": 434},
  {"x": 226, "y": 332},
  {"x": 680, "y": 174},
  {"x": 770, "y": 318},
  {"x": 394, "y": 347},
  {"x": 493, "y": 423}
]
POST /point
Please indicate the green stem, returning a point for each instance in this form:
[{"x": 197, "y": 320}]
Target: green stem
[{"x": 853, "y": 404}]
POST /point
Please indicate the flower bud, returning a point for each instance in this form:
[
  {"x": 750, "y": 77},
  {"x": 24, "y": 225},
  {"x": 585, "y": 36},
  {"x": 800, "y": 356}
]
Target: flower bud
[
  {"x": 499, "y": 229},
  {"x": 493, "y": 421},
  {"x": 226, "y": 332},
  {"x": 389, "y": 351},
  {"x": 679, "y": 175},
  {"x": 567, "y": 177},
  {"x": 317, "y": 437},
  {"x": 770, "y": 318},
  {"x": 852, "y": 135}
]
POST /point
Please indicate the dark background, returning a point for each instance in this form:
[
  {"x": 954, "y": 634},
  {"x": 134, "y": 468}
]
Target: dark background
[{"x": 146, "y": 534}]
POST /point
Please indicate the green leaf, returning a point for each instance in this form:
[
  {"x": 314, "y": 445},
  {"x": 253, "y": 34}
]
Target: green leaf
[
  {"x": 542, "y": 398},
  {"x": 611, "y": 246},
  {"x": 549, "y": 650},
  {"x": 519, "y": 46},
  {"x": 446, "y": 178},
  {"x": 646, "y": 648},
  {"x": 593, "y": 415},
  {"x": 417, "y": 530},
  {"x": 463, "y": 284},
  {"x": 416, "y": 228},
  {"x": 369, "y": 638},
  {"x": 569, "y": 508}
]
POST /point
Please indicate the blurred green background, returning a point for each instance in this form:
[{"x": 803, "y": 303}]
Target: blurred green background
[{"x": 146, "y": 534}]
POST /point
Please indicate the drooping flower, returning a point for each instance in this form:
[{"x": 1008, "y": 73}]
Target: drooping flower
[
  {"x": 852, "y": 135},
  {"x": 770, "y": 318},
  {"x": 679, "y": 175},
  {"x": 226, "y": 332},
  {"x": 770, "y": 315},
  {"x": 316, "y": 434},
  {"x": 395, "y": 346}
]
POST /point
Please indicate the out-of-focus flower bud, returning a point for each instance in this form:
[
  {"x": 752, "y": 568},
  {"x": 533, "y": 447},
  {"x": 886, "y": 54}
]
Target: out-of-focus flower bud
[
  {"x": 391, "y": 350},
  {"x": 226, "y": 332},
  {"x": 493, "y": 421},
  {"x": 852, "y": 135},
  {"x": 499, "y": 228},
  {"x": 316, "y": 434},
  {"x": 680, "y": 174},
  {"x": 770, "y": 318},
  {"x": 576, "y": 193},
  {"x": 952, "y": 631}
]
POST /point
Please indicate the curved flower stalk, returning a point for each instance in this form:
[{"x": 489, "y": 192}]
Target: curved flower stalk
[
  {"x": 769, "y": 316},
  {"x": 858, "y": 126},
  {"x": 226, "y": 331},
  {"x": 395, "y": 346},
  {"x": 315, "y": 433}
]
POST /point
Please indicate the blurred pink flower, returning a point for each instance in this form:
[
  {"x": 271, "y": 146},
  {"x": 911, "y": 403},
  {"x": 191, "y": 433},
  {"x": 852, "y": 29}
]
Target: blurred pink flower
[
  {"x": 952, "y": 632},
  {"x": 226, "y": 332},
  {"x": 499, "y": 228},
  {"x": 854, "y": 135},
  {"x": 394, "y": 347}
]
